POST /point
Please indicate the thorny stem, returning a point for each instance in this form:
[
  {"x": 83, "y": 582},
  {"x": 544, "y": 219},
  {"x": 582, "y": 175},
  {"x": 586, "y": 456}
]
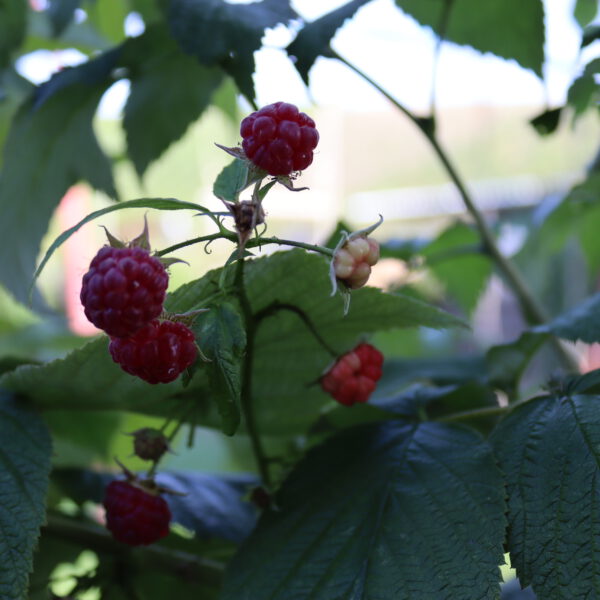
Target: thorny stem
[
  {"x": 533, "y": 311},
  {"x": 252, "y": 243},
  {"x": 177, "y": 563},
  {"x": 262, "y": 460}
]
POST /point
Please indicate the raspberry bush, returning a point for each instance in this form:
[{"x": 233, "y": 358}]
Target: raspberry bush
[{"x": 347, "y": 417}]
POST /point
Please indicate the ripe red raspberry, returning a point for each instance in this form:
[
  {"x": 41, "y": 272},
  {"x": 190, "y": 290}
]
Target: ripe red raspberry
[
  {"x": 279, "y": 139},
  {"x": 123, "y": 290},
  {"x": 134, "y": 515},
  {"x": 353, "y": 261},
  {"x": 354, "y": 376},
  {"x": 158, "y": 353}
]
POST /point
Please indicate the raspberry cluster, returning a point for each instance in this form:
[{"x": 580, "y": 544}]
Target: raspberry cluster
[
  {"x": 279, "y": 138},
  {"x": 123, "y": 294},
  {"x": 135, "y": 515},
  {"x": 354, "y": 376},
  {"x": 157, "y": 353},
  {"x": 353, "y": 261},
  {"x": 123, "y": 290}
]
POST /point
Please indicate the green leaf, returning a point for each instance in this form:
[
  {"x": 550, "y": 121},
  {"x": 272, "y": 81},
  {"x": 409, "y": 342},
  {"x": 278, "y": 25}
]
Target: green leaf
[
  {"x": 24, "y": 468},
  {"x": 224, "y": 34},
  {"x": 487, "y": 26},
  {"x": 232, "y": 180},
  {"x": 585, "y": 11},
  {"x": 456, "y": 260},
  {"x": 222, "y": 337},
  {"x": 13, "y": 18},
  {"x": 590, "y": 34},
  {"x": 88, "y": 379},
  {"x": 585, "y": 90},
  {"x": 507, "y": 362},
  {"x": 549, "y": 451},
  {"x": 313, "y": 39},
  {"x": 169, "y": 89},
  {"x": 288, "y": 359},
  {"x": 381, "y": 512},
  {"x": 547, "y": 122},
  {"x": 50, "y": 147},
  {"x": 60, "y": 13},
  {"x": 156, "y": 203},
  {"x": 581, "y": 322}
]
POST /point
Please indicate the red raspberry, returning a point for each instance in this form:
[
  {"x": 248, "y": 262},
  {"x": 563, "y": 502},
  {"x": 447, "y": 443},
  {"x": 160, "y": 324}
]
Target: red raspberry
[
  {"x": 135, "y": 516},
  {"x": 158, "y": 353},
  {"x": 354, "y": 376},
  {"x": 279, "y": 139},
  {"x": 353, "y": 261},
  {"x": 123, "y": 290}
]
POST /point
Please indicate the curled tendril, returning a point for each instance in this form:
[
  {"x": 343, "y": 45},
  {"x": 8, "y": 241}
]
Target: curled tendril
[{"x": 206, "y": 250}]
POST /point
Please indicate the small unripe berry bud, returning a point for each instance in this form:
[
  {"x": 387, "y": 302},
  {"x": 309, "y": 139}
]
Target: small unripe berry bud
[
  {"x": 149, "y": 443},
  {"x": 353, "y": 261}
]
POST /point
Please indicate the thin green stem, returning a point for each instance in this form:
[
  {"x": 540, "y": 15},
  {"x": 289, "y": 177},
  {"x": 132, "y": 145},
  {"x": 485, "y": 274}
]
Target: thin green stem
[
  {"x": 177, "y": 563},
  {"x": 198, "y": 240},
  {"x": 532, "y": 310},
  {"x": 246, "y": 400},
  {"x": 262, "y": 241}
]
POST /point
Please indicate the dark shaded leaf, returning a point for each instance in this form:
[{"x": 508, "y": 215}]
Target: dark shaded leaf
[
  {"x": 224, "y": 34},
  {"x": 579, "y": 323},
  {"x": 222, "y": 337},
  {"x": 507, "y": 362},
  {"x": 60, "y": 13},
  {"x": 13, "y": 19},
  {"x": 169, "y": 90},
  {"x": 333, "y": 537},
  {"x": 547, "y": 122},
  {"x": 487, "y": 26},
  {"x": 590, "y": 34},
  {"x": 313, "y": 39},
  {"x": 24, "y": 468},
  {"x": 51, "y": 146},
  {"x": 549, "y": 450},
  {"x": 585, "y": 90}
]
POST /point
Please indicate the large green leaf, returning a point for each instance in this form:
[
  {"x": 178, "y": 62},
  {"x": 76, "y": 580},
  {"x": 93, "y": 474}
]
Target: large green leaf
[
  {"x": 24, "y": 468},
  {"x": 169, "y": 90},
  {"x": 225, "y": 34},
  {"x": 288, "y": 359},
  {"x": 88, "y": 379},
  {"x": 13, "y": 17},
  {"x": 510, "y": 28},
  {"x": 549, "y": 450},
  {"x": 313, "y": 39},
  {"x": 392, "y": 511},
  {"x": 51, "y": 146}
]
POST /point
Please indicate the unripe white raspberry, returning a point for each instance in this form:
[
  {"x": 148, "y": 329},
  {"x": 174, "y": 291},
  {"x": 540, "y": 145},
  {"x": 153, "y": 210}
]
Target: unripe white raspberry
[{"x": 353, "y": 261}]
